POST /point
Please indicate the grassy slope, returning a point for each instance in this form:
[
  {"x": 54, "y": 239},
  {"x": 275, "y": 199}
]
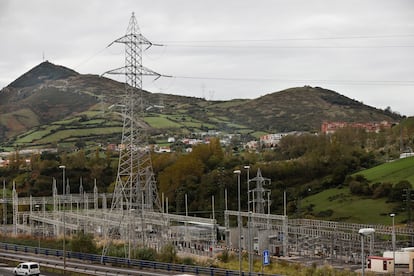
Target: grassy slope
[
  {"x": 95, "y": 125},
  {"x": 71, "y": 128},
  {"x": 347, "y": 207},
  {"x": 401, "y": 169},
  {"x": 18, "y": 120},
  {"x": 161, "y": 122},
  {"x": 350, "y": 208}
]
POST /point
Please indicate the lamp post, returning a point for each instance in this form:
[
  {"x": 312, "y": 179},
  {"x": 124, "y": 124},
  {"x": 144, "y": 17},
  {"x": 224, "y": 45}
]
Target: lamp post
[
  {"x": 249, "y": 242},
  {"x": 239, "y": 219},
  {"x": 37, "y": 207},
  {"x": 64, "y": 219},
  {"x": 364, "y": 232},
  {"x": 393, "y": 240}
]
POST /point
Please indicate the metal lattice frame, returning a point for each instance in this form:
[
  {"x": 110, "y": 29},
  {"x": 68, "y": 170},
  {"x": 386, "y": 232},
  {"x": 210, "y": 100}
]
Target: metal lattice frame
[{"x": 135, "y": 187}]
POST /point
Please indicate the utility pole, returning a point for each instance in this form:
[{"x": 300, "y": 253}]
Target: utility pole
[
  {"x": 135, "y": 186},
  {"x": 393, "y": 241},
  {"x": 249, "y": 238}
]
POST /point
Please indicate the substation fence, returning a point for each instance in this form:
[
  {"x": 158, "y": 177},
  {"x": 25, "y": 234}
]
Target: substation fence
[{"x": 125, "y": 262}]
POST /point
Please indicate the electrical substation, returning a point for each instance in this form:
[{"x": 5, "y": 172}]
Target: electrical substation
[{"x": 135, "y": 214}]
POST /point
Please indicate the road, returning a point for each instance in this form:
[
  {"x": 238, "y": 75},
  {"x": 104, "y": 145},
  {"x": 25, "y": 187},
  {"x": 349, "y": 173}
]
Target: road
[
  {"x": 72, "y": 265},
  {"x": 6, "y": 270}
]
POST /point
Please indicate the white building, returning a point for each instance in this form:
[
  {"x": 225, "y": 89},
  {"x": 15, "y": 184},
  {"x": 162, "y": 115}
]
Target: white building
[{"x": 380, "y": 264}]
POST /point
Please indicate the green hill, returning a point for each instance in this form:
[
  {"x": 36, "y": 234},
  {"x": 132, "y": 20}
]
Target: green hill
[
  {"x": 340, "y": 205},
  {"x": 393, "y": 172}
]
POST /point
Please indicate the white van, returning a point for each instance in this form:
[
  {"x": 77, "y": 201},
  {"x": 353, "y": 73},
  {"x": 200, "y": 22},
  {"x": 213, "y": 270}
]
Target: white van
[{"x": 29, "y": 268}]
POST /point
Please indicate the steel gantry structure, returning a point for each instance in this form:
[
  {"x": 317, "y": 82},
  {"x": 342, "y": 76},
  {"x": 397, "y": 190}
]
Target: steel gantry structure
[{"x": 84, "y": 212}]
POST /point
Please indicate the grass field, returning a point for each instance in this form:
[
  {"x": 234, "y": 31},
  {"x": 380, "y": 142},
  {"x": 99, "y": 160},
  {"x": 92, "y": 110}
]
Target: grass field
[
  {"x": 64, "y": 134},
  {"x": 94, "y": 122},
  {"x": 257, "y": 134},
  {"x": 36, "y": 135},
  {"x": 350, "y": 208},
  {"x": 161, "y": 122},
  {"x": 401, "y": 169},
  {"x": 220, "y": 119}
]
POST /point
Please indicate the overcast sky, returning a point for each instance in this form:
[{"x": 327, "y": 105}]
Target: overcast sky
[{"x": 221, "y": 49}]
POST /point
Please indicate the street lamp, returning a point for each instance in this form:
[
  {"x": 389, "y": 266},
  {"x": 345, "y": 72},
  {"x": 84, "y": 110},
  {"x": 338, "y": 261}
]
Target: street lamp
[
  {"x": 393, "y": 240},
  {"x": 37, "y": 207},
  {"x": 249, "y": 245},
  {"x": 364, "y": 232},
  {"x": 64, "y": 219},
  {"x": 239, "y": 218}
]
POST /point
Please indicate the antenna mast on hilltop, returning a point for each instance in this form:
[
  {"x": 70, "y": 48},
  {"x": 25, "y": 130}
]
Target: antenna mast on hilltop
[{"x": 135, "y": 187}]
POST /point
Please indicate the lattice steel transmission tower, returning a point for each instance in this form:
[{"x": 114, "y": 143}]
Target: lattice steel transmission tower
[
  {"x": 135, "y": 187},
  {"x": 259, "y": 193}
]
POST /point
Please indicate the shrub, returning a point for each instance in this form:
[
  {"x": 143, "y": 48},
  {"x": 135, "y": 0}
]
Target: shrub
[
  {"x": 168, "y": 254},
  {"x": 360, "y": 188},
  {"x": 188, "y": 261},
  {"x": 381, "y": 189},
  {"x": 224, "y": 256},
  {"x": 148, "y": 254},
  {"x": 84, "y": 243}
]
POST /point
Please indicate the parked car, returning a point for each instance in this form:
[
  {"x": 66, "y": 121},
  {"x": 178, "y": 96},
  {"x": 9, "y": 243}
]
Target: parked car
[{"x": 29, "y": 268}]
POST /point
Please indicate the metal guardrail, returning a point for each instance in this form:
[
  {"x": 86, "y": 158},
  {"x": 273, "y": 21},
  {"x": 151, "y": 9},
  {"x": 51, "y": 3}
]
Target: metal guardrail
[{"x": 125, "y": 262}]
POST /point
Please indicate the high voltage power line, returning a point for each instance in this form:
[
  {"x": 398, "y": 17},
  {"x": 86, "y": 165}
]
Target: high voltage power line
[
  {"x": 290, "y": 46},
  {"x": 293, "y": 39},
  {"x": 217, "y": 43},
  {"x": 339, "y": 82},
  {"x": 264, "y": 43}
]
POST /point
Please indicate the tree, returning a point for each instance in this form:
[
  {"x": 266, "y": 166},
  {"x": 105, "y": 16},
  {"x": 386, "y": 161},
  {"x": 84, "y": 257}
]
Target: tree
[
  {"x": 186, "y": 167},
  {"x": 399, "y": 190}
]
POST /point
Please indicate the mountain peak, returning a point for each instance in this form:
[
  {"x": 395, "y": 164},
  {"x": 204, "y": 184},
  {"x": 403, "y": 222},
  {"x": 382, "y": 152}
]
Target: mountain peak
[{"x": 42, "y": 72}]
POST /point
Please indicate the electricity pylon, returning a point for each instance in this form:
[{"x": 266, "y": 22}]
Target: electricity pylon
[{"x": 135, "y": 188}]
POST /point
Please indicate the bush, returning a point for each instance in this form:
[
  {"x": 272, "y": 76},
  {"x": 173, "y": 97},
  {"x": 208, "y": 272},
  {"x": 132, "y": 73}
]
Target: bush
[
  {"x": 148, "y": 254},
  {"x": 168, "y": 254},
  {"x": 188, "y": 261},
  {"x": 325, "y": 213},
  {"x": 360, "y": 188},
  {"x": 84, "y": 243},
  {"x": 224, "y": 256},
  {"x": 381, "y": 189}
]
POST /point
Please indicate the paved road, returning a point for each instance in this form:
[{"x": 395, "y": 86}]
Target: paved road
[
  {"x": 73, "y": 266},
  {"x": 6, "y": 270}
]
